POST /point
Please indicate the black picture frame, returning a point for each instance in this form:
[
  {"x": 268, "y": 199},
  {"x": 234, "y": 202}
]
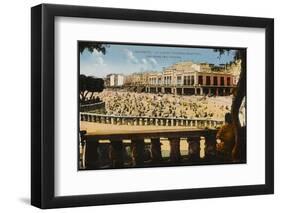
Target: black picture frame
[{"x": 43, "y": 105}]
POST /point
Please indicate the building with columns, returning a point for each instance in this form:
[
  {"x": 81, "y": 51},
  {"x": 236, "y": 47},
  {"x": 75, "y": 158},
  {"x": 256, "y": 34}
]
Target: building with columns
[{"x": 188, "y": 78}]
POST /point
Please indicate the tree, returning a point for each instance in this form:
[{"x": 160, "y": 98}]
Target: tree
[
  {"x": 89, "y": 84},
  {"x": 91, "y": 46},
  {"x": 238, "y": 150}
]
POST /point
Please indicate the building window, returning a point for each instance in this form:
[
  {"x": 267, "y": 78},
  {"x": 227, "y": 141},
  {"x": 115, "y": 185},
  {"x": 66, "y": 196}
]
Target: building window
[
  {"x": 228, "y": 81},
  {"x": 188, "y": 80},
  {"x": 200, "y": 79},
  {"x": 215, "y": 80},
  {"x": 208, "y": 80},
  {"x": 185, "y": 80},
  {"x": 159, "y": 80},
  {"x": 222, "y": 81},
  {"x": 168, "y": 80},
  {"x": 179, "y": 80},
  {"x": 192, "y": 80}
]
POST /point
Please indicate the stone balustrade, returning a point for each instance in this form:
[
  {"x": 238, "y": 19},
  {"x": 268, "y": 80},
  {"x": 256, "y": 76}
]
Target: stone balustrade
[
  {"x": 201, "y": 148},
  {"x": 147, "y": 121}
]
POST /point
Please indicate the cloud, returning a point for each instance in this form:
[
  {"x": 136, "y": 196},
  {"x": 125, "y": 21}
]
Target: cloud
[
  {"x": 98, "y": 58},
  {"x": 131, "y": 57},
  {"x": 144, "y": 61},
  {"x": 149, "y": 63},
  {"x": 153, "y": 62}
]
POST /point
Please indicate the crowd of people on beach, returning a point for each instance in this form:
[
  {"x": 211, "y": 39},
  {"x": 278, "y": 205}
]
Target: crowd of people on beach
[{"x": 122, "y": 103}]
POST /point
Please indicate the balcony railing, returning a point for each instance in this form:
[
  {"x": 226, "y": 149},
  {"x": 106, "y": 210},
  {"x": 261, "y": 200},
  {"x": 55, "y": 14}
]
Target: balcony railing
[
  {"x": 146, "y": 120},
  {"x": 201, "y": 148}
]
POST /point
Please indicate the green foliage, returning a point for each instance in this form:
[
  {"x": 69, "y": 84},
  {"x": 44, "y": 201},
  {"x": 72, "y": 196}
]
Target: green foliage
[
  {"x": 91, "y": 46},
  {"x": 239, "y": 54},
  {"x": 89, "y": 84}
]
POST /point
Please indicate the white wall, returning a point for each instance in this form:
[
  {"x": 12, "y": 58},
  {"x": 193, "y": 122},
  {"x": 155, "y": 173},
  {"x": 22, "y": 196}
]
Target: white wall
[
  {"x": 120, "y": 80},
  {"x": 15, "y": 118},
  {"x": 112, "y": 80}
]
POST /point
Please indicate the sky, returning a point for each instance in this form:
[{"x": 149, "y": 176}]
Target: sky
[{"x": 128, "y": 59}]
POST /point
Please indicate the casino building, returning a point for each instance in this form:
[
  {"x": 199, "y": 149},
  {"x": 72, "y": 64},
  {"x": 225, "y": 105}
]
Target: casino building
[{"x": 188, "y": 78}]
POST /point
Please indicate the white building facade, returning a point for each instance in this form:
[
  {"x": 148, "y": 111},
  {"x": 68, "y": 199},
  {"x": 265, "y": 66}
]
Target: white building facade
[
  {"x": 116, "y": 80},
  {"x": 188, "y": 78}
]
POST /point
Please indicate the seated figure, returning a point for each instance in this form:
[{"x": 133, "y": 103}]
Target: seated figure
[{"x": 226, "y": 136}]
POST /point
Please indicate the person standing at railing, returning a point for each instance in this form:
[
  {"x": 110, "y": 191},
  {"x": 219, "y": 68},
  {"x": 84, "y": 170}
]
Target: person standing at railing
[{"x": 226, "y": 137}]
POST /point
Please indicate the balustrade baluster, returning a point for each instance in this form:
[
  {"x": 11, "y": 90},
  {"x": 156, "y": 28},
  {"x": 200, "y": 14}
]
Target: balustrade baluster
[
  {"x": 205, "y": 123},
  {"x": 175, "y": 155},
  {"x": 91, "y": 153},
  {"x": 210, "y": 150},
  {"x": 116, "y": 153},
  {"x": 142, "y": 121},
  {"x": 156, "y": 122},
  {"x": 156, "y": 155},
  {"x": 194, "y": 148},
  {"x": 134, "y": 121},
  {"x": 137, "y": 152}
]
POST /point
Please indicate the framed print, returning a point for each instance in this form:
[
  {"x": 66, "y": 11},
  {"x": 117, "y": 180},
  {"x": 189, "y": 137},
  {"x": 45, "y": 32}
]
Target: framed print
[{"x": 140, "y": 106}]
